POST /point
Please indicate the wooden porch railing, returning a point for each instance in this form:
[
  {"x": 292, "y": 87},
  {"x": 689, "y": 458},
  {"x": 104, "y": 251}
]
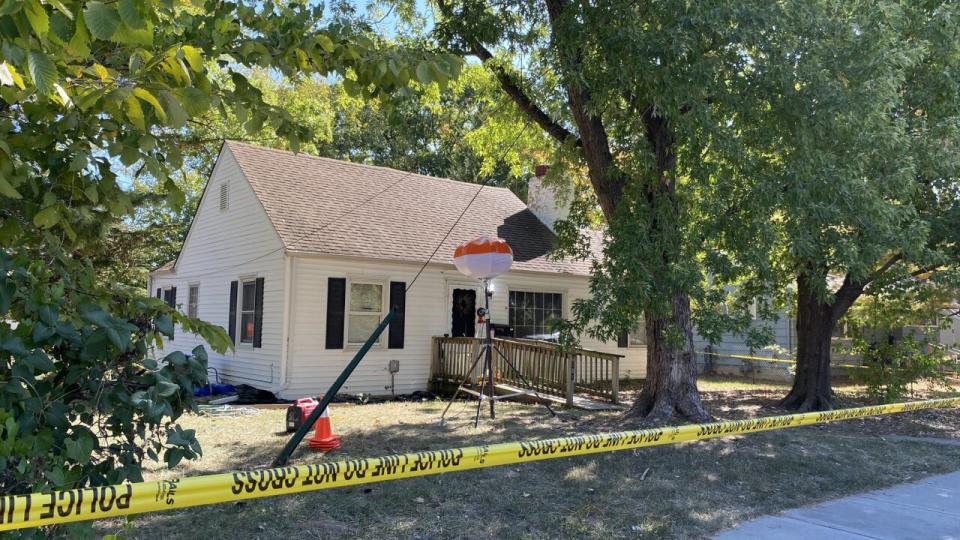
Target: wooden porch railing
[{"x": 546, "y": 368}]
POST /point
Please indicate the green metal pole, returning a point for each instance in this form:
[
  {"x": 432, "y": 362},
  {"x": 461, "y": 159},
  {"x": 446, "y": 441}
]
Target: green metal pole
[{"x": 305, "y": 428}]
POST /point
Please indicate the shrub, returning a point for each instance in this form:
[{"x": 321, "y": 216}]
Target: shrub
[
  {"x": 83, "y": 399},
  {"x": 890, "y": 369}
]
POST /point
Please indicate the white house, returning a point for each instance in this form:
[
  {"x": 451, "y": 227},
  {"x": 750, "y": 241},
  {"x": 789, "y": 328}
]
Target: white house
[{"x": 300, "y": 257}]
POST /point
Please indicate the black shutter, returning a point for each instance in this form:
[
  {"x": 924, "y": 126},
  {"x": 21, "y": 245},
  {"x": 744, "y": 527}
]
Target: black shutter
[
  {"x": 173, "y": 297},
  {"x": 336, "y": 298},
  {"x": 398, "y": 301},
  {"x": 258, "y": 314},
  {"x": 623, "y": 340},
  {"x": 159, "y": 292},
  {"x": 232, "y": 320}
]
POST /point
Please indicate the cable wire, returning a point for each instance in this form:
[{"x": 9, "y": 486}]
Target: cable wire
[{"x": 464, "y": 212}]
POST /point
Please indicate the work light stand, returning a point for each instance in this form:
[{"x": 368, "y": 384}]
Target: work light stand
[{"x": 487, "y": 375}]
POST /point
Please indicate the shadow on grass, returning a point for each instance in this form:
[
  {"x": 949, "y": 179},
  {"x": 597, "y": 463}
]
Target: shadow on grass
[{"x": 687, "y": 490}]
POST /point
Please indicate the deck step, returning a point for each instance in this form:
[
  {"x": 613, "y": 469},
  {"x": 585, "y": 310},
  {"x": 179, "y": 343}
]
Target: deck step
[{"x": 579, "y": 402}]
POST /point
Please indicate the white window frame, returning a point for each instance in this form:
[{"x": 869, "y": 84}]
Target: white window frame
[
  {"x": 193, "y": 304},
  {"x": 348, "y": 313},
  {"x": 563, "y": 299},
  {"x": 241, "y": 311}
]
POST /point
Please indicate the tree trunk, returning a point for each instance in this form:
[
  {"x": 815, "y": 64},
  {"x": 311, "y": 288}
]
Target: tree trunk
[
  {"x": 670, "y": 389},
  {"x": 812, "y": 389}
]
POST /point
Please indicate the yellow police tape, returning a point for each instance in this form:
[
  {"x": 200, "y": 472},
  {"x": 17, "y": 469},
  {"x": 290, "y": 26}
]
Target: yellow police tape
[
  {"x": 54, "y": 508},
  {"x": 772, "y": 360}
]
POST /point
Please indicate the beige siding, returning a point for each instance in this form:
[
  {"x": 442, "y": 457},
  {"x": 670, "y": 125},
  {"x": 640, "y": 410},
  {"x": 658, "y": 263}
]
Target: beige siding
[
  {"x": 313, "y": 368},
  {"x": 220, "y": 248}
]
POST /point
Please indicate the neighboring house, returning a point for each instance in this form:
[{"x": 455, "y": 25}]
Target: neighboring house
[
  {"x": 784, "y": 346},
  {"x": 950, "y": 336},
  {"x": 300, "y": 257}
]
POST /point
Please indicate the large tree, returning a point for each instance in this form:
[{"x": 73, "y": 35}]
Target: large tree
[
  {"x": 860, "y": 136},
  {"x": 633, "y": 93}
]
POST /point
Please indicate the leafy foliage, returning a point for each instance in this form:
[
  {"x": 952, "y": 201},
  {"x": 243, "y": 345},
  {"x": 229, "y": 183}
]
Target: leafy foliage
[
  {"x": 853, "y": 153},
  {"x": 896, "y": 333},
  {"x": 891, "y": 369}
]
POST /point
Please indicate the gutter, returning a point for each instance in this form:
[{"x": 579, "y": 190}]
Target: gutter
[{"x": 287, "y": 316}]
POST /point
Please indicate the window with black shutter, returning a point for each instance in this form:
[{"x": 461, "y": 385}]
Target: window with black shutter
[
  {"x": 248, "y": 310},
  {"x": 398, "y": 301},
  {"x": 170, "y": 298},
  {"x": 232, "y": 319},
  {"x": 258, "y": 314},
  {"x": 336, "y": 299}
]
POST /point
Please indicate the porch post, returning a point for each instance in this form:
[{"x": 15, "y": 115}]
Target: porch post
[
  {"x": 615, "y": 383},
  {"x": 570, "y": 369}
]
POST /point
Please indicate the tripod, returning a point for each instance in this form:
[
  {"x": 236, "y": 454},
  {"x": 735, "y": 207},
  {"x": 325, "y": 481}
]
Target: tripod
[{"x": 487, "y": 376}]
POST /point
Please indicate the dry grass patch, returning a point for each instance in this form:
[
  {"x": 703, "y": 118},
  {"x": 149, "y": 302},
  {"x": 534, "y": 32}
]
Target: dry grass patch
[{"x": 683, "y": 491}]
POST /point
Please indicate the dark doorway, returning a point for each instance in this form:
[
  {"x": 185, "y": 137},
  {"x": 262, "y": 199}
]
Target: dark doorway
[{"x": 464, "y": 310}]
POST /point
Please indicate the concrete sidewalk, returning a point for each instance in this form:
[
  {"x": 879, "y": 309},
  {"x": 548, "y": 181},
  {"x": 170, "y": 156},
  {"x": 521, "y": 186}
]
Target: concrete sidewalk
[{"x": 928, "y": 509}]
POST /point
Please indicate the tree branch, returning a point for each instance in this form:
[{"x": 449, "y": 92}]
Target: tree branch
[
  {"x": 883, "y": 268},
  {"x": 511, "y": 86},
  {"x": 605, "y": 178}
]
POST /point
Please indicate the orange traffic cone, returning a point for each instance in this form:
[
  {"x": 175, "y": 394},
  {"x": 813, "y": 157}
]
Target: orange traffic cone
[{"x": 323, "y": 438}]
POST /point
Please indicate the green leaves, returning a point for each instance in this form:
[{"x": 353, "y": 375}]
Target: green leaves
[
  {"x": 79, "y": 45},
  {"x": 101, "y": 19},
  {"x": 37, "y": 16},
  {"x": 132, "y": 13},
  {"x": 146, "y": 96},
  {"x": 193, "y": 57},
  {"x": 47, "y": 217},
  {"x": 424, "y": 74},
  {"x": 42, "y": 71},
  {"x": 7, "y": 190}
]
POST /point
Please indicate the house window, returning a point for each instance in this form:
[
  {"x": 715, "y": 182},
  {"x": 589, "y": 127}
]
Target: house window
[
  {"x": 533, "y": 314},
  {"x": 170, "y": 297},
  {"x": 638, "y": 336},
  {"x": 366, "y": 311},
  {"x": 224, "y": 196},
  {"x": 248, "y": 305},
  {"x": 193, "y": 300}
]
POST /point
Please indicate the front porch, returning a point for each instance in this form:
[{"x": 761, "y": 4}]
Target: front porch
[{"x": 578, "y": 377}]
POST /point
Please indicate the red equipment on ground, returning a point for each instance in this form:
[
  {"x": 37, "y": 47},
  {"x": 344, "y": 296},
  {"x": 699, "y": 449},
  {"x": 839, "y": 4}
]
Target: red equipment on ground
[{"x": 298, "y": 412}]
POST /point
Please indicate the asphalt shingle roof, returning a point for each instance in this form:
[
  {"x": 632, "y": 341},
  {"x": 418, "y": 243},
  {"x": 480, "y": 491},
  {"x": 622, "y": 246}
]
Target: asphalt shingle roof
[{"x": 332, "y": 207}]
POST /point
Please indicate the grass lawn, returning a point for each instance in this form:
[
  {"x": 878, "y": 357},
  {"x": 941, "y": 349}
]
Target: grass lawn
[{"x": 688, "y": 490}]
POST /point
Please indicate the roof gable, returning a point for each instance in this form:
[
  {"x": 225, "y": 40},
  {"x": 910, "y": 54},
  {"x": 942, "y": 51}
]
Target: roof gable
[{"x": 326, "y": 206}]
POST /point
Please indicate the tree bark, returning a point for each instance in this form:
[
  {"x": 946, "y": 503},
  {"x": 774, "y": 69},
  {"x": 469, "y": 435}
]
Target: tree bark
[
  {"x": 812, "y": 389},
  {"x": 670, "y": 389}
]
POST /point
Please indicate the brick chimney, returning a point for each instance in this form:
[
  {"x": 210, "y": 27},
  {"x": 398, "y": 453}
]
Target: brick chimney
[{"x": 549, "y": 202}]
